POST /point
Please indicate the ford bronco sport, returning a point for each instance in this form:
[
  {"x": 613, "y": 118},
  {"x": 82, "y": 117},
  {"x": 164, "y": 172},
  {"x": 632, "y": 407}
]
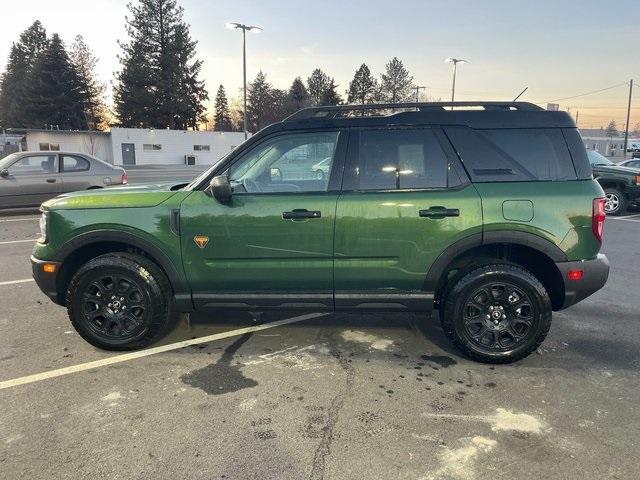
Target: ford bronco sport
[{"x": 487, "y": 211}]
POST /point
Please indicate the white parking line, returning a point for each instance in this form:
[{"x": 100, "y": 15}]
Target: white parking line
[
  {"x": 8, "y": 242},
  {"x": 13, "y": 282},
  {"x": 151, "y": 351},
  {"x": 629, "y": 218},
  {"x": 29, "y": 219}
]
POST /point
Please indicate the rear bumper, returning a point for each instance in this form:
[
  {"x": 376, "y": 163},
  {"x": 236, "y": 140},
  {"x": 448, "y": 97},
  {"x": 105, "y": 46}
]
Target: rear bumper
[
  {"x": 596, "y": 273},
  {"x": 46, "y": 281}
]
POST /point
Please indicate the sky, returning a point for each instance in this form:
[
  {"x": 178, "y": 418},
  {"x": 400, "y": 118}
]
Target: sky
[{"x": 557, "y": 49}]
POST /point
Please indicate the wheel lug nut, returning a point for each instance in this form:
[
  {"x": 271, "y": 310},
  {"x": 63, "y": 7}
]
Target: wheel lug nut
[
  {"x": 490, "y": 307},
  {"x": 504, "y": 316}
]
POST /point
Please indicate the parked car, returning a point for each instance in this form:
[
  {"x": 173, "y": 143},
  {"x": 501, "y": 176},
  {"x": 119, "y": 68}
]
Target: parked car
[
  {"x": 633, "y": 163},
  {"x": 321, "y": 169},
  {"x": 621, "y": 184},
  {"x": 29, "y": 178},
  {"x": 490, "y": 215}
]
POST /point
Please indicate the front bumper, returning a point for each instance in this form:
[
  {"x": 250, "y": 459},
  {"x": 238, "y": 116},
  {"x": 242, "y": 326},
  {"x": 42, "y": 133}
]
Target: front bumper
[
  {"x": 595, "y": 275},
  {"x": 46, "y": 281}
]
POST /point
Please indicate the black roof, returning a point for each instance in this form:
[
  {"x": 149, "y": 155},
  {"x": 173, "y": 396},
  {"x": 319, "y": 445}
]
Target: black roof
[{"x": 472, "y": 114}]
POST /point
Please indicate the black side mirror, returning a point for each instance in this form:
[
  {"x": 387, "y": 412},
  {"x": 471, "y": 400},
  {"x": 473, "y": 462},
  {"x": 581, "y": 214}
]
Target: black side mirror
[
  {"x": 220, "y": 188},
  {"x": 4, "y": 173}
]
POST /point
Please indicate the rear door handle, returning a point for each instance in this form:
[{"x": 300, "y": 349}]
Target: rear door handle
[
  {"x": 300, "y": 213},
  {"x": 439, "y": 212},
  {"x": 51, "y": 180}
]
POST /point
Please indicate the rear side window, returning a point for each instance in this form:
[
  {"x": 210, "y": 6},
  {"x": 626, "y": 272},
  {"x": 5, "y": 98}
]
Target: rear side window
[
  {"x": 513, "y": 155},
  {"x": 72, "y": 163},
  {"x": 399, "y": 159}
]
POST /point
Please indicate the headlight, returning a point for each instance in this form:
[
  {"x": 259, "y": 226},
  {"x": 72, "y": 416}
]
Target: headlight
[{"x": 44, "y": 226}]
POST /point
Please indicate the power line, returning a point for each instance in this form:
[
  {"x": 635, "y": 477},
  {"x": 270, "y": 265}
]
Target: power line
[{"x": 590, "y": 93}]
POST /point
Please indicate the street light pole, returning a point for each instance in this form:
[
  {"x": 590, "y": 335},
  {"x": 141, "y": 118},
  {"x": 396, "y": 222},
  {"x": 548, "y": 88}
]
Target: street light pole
[
  {"x": 455, "y": 62},
  {"x": 244, "y": 28},
  {"x": 418, "y": 88}
]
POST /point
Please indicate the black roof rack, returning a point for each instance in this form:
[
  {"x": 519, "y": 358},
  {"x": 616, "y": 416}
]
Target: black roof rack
[{"x": 335, "y": 111}]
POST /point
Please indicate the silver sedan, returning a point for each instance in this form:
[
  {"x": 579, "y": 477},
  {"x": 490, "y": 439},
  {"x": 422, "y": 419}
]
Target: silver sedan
[{"x": 29, "y": 178}]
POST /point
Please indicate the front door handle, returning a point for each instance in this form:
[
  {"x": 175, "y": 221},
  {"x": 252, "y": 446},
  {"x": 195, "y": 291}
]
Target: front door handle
[
  {"x": 300, "y": 213},
  {"x": 439, "y": 212},
  {"x": 51, "y": 180}
]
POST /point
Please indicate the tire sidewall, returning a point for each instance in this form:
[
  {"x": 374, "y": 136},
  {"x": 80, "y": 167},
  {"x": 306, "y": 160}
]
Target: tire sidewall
[
  {"x": 622, "y": 201},
  {"x": 522, "y": 279}
]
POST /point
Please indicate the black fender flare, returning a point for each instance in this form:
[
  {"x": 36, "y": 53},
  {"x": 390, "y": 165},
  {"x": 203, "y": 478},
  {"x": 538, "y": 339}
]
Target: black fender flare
[
  {"x": 181, "y": 290},
  {"x": 496, "y": 237}
]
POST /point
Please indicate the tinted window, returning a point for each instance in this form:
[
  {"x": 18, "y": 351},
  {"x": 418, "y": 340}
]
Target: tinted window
[
  {"x": 399, "y": 159},
  {"x": 508, "y": 155},
  {"x": 34, "y": 164},
  {"x": 288, "y": 163},
  {"x": 74, "y": 164}
]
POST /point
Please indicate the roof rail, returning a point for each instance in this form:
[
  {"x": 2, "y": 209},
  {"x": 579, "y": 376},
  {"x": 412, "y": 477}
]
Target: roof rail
[{"x": 335, "y": 110}]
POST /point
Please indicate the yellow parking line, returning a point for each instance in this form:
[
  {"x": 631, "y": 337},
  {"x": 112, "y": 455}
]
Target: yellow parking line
[{"x": 151, "y": 351}]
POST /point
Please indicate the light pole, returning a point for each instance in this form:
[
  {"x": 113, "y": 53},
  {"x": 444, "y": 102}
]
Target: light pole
[
  {"x": 244, "y": 28},
  {"x": 418, "y": 88},
  {"x": 455, "y": 62}
]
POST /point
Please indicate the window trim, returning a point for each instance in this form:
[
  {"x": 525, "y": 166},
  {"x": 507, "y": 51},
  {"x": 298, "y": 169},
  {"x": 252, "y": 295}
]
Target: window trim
[
  {"x": 61, "y": 163},
  {"x": 353, "y": 161}
]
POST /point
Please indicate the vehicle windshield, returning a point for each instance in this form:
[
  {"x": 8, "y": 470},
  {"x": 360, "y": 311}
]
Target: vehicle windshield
[{"x": 597, "y": 159}]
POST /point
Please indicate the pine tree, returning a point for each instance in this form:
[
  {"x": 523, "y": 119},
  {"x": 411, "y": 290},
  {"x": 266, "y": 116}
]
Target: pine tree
[
  {"x": 396, "y": 82},
  {"x": 259, "y": 103},
  {"x": 317, "y": 84},
  {"x": 12, "y": 82},
  {"x": 298, "y": 96},
  {"x": 159, "y": 85},
  {"x": 92, "y": 90},
  {"x": 612, "y": 129},
  {"x": 363, "y": 86},
  {"x": 54, "y": 91},
  {"x": 222, "y": 117},
  {"x": 331, "y": 96}
]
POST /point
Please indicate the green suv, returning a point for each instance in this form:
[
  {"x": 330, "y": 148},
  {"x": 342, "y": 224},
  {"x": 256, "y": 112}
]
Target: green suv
[{"x": 486, "y": 211}]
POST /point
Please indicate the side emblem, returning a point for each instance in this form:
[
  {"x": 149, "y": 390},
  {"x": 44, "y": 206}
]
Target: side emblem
[{"x": 201, "y": 240}]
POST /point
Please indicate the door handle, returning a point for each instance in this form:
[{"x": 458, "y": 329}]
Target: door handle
[
  {"x": 300, "y": 213},
  {"x": 51, "y": 180},
  {"x": 439, "y": 212}
]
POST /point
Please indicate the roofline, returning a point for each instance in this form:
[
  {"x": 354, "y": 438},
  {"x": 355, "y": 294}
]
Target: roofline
[{"x": 24, "y": 131}]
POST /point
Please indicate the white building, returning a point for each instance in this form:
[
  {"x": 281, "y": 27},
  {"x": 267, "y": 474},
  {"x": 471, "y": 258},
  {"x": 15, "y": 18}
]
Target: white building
[{"x": 138, "y": 146}]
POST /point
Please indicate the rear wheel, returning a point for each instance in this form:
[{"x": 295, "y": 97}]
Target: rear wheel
[
  {"x": 497, "y": 313},
  {"x": 119, "y": 301},
  {"x": 615, "y": 202}
]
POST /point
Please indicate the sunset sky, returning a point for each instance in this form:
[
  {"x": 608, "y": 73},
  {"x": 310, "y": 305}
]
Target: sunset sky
[{"x": 557, "y": 48}]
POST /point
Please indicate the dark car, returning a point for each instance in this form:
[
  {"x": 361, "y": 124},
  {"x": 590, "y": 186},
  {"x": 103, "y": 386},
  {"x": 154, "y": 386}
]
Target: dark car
[
  {"x": 621, "y": 184},
  {"x": 633, "y": 163},
  {"x": 488, "y": 213}
]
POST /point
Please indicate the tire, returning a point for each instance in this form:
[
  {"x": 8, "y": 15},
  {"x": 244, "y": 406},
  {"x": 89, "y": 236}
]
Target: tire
[
  {"x": 616, "y": 203},
  {"x": 518, "y": 306},
  {"x": 101, "y": 291}
]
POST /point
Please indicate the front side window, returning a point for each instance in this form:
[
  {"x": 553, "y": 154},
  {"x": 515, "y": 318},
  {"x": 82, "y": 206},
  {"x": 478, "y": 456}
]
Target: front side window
[
  {"x": 299, "y": 162},
  {"x": 35, "y": 164},
  {"x": 73, "y": 163},
  {"x": 399, "y": 159}
]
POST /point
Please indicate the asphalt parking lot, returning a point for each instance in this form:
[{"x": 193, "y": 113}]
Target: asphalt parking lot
[{"x": 333, "y": 397}]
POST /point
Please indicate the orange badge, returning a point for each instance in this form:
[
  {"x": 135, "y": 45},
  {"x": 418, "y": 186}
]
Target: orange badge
[{"x": 201, "y": 240}]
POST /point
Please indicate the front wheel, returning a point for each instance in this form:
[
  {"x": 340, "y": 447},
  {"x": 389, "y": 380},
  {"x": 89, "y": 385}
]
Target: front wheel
[
  {"x": 615, "y": 202},
  {"x": 119, "y": 301},
  {"x": 497, "y": 313}
]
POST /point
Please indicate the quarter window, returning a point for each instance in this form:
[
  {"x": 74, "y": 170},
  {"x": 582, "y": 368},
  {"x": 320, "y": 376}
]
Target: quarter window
[
  {"x": 399, "y": 159},
  {"x": 74, "y": 164},
  {"x": 289, "y": 163}
]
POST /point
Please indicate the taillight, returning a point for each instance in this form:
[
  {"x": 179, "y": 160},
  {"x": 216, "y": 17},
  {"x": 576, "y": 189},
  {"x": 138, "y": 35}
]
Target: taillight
[
  {"x": 637, "y": 179},
  {"x": 124, "y": 179},
  {"x": 598, "y": 217}
]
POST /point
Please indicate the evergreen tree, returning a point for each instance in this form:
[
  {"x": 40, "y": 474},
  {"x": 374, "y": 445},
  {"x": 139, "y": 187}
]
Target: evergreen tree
[
  {"x": 396, "y": 82},
  {"x": 222, "y": 117},
  {"x": 612, "y": 129},
  {"x": 12, "y": 82},
  {"x": 92, "y": 90},
  {"x": 317, "y": 84},
  {"x": 363, "y": 86},
  {"x": 54, "y": 93},
  {"x": 159, "y": 85},
  {"x": 259, "y": 103},
  {"x": 331, "y": 96},
  {"x": 298, "y": 96}
]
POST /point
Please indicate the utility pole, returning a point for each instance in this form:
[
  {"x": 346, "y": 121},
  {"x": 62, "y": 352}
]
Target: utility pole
[
  {"x": 418, "y": 88},
  {"x": 626, "y": 128},
  {"x": 455, "y": 62},
  {"x": 577, "y": 115}
]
